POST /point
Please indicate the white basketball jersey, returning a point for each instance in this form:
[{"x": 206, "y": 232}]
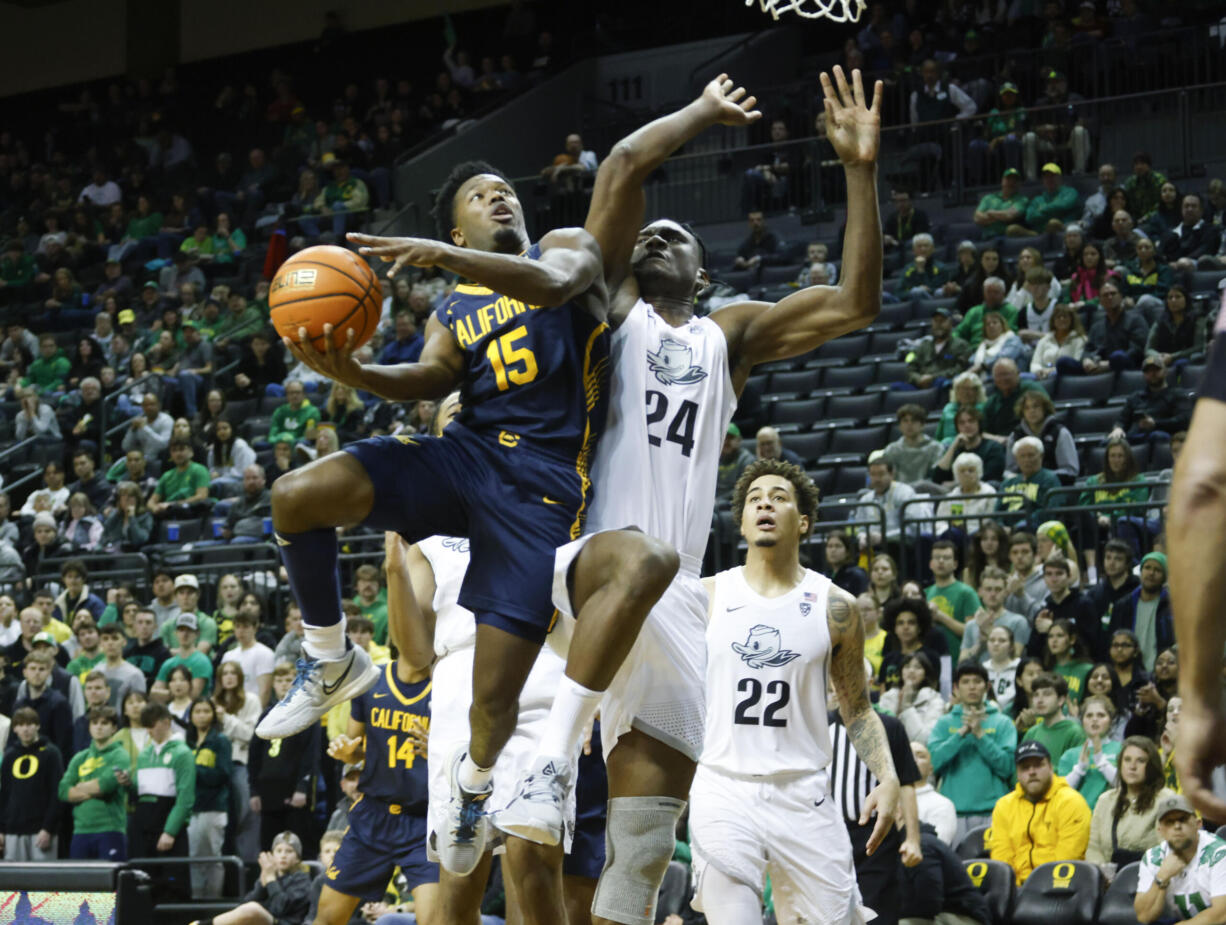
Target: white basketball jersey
[
  {"x": 767, "y": 660},
  {"x": 454, "y": 627},
  {"x": 671, "y": 399}
]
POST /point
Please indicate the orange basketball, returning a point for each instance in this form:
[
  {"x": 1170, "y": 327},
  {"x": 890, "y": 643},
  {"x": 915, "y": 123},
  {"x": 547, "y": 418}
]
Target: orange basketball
[{"x": 326, "y": 285}]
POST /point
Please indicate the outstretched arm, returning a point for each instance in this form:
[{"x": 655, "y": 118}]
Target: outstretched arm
[
  {"x": 409, "y": 623},
  {"x": 864, "y": 727},
  {"x": 759, "y": 332},
  {"x": 616, "y": 212},
  {"x": 1196, "y": 532},
  {"x": 569, "y": 265}
]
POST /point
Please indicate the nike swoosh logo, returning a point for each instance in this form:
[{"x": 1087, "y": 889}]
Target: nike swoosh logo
[
  {"x": 819, "y": 802},
  {"x": 281, "y": 541},
  {"x": 377, "y": 696},
  {"x": 549, "y": 500},
  {"x": 738, "y": 607},
  {"x": 329, "y": 690}
]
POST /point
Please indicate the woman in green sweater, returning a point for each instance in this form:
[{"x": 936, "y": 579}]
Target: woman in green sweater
[
  {"x": 1091, "y": 768},
  {"x": 1118, "y": 483},
  {"x": 966, "y": 392},
  {"x": 214, "y": 767},
  {"x": 1064, "y": 656},
  {"x": 144, "y": 226}
]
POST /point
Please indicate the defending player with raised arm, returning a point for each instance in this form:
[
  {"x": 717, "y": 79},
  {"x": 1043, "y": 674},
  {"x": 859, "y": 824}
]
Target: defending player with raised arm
[
  {"x": 526, "y": 341},
  {"x": 388, "y": 731},
  {"x": 1196, "y": 537},
  {"x": 768, "y": 744},
  {"x": 675, "y": 381},
  {"x": 662, "y": 261}
]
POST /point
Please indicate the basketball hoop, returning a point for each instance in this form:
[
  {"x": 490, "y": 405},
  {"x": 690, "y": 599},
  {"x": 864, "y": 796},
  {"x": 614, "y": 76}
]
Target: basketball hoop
[{"x": 834, "y": 10}]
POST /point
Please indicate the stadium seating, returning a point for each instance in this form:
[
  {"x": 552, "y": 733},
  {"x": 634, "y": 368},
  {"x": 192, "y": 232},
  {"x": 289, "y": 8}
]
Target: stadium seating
[
  {"x": 996, "y": 881},
  {"x": 1117, "y": 903},
  {"x": 1059, "y": 893}
]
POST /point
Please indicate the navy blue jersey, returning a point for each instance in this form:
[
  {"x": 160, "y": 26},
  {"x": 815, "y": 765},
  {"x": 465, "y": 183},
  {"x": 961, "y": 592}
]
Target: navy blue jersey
[
  {"x": 394, "y": 770},
  {"x": 531, "y": 373}
]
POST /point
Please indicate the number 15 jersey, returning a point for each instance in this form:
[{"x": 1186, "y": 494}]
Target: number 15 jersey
[
  {"x": 670, "y": 401},
  {"x": 767, "y": 659}
]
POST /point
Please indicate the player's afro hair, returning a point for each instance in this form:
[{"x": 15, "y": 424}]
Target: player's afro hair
[
  {"x": 444, "y": 203},
  {"x": 802, "y": 486}
]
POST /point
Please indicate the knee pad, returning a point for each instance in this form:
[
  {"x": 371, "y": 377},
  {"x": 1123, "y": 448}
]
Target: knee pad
[{"x": 639, "y": 842}]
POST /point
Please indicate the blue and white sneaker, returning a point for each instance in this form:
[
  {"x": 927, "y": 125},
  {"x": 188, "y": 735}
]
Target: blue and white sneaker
[
  {"x": 463, "y": 833},
  {"x": 318, "y": 687},
  {"x": 536, "y": 812}
]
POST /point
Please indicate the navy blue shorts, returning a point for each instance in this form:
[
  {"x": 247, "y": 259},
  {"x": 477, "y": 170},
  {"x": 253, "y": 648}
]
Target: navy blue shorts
[
  {"x": 515, "y": 505},
  {"x": 377, "y": 841},
  {"x": 586, "y": 857}
]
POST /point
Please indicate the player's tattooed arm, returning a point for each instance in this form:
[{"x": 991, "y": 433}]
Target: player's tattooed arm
[
  {"x": 409, "y": 623},
  {"x": 864, "y": 727},
  {"x": 616, "y": 212}
]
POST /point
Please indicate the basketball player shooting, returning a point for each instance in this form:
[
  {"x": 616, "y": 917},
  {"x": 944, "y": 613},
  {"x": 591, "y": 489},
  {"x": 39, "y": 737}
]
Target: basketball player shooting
[
  {"x": 526, "y": 341},
  {"x": 675, "y": 381}
]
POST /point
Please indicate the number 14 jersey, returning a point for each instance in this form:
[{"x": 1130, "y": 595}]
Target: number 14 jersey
[
  {"x": 670, "y": 402},
  {"x": 767, "y": 660}
]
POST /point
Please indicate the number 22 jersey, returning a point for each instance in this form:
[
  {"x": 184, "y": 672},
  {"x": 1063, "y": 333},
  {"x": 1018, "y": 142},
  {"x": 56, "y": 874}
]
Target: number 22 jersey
[{"x": 767, "y": 660}]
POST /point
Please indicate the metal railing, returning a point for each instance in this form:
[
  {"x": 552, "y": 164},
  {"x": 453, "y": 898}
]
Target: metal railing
[{"x": 1071, "y": 515}]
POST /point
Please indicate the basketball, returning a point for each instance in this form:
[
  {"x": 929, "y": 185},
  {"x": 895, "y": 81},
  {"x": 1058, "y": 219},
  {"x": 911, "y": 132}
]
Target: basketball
[{"x": 322, "y": 285}]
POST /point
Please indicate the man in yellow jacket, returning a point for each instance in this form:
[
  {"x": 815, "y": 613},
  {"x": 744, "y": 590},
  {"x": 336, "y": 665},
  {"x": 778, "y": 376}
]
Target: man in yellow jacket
[{"x": 1043, "y": 819}]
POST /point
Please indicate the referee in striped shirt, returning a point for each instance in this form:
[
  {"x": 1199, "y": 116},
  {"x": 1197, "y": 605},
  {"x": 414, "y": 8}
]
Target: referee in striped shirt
[{"x": 879, "y": 874}]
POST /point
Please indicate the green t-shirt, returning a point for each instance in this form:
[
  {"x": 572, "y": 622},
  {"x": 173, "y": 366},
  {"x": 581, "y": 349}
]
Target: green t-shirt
[
  {"x": 1057, "y": 738},
  {"x": 1075, "y": 673},
  {"x": 970, "y": 328},
  {"x": 1035, "y": 489},
  {"x": 1093, "y": 784},
  {"x": 196, "y": 248},
  {"x": 957, "y": 600},
  {"x": 995, "y": 202},
  {"x": 197, "y": 663},
  {"x": 48, "y": 375},
  {"x": 145, "y": 227},
  {"x": 376, "y": 613},
  {"x": 83, "y": 664},
  {"x": 177, "y": 485},
  {"x": 288, "y": 422},
  {"x": 206, "y": 625}
]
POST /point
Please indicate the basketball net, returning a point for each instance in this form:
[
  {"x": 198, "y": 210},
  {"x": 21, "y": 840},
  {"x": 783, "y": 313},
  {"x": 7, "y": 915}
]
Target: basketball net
[{"x": 834, "y": 10}]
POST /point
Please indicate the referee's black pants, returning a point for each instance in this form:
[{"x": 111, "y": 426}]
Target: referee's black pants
[{"x": 879, "y": 875}]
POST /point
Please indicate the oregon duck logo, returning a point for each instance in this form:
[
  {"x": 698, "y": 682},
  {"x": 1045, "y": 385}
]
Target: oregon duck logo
[
  {"x": 673, "y": 363},
  {"x": 764, "y": 648}
]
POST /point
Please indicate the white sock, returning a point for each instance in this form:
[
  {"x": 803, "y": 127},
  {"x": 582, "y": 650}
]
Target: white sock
[
  {"x": 325, "y": 642},
  {"x": 1091, "y": 575},
  {"x": 573, "y": 708},
  {"x": 473, "y": 778}
]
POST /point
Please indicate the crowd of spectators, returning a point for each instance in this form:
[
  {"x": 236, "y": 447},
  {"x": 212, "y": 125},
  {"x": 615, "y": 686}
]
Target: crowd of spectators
[{"x": 1027, "y": 650}]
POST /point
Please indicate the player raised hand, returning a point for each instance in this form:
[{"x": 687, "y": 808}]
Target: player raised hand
[
  {"x": 338, "y": 364},
  {"x": 346, "y": 750},
  {"x": 399, "y": 252},
  {"x": 853, "y": 126},
  {"x": 728, "y": 106}
]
